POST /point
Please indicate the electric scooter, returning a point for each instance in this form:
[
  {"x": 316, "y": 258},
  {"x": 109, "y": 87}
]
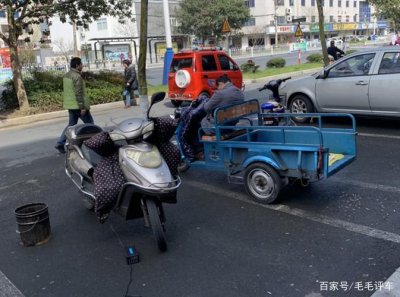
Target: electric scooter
[
  {"x": 149, "y": 182},
  {"x": 275, "y": 105}
]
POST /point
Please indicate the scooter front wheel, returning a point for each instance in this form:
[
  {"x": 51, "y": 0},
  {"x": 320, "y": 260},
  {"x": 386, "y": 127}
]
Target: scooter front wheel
[{"x": 155, "y": 221}]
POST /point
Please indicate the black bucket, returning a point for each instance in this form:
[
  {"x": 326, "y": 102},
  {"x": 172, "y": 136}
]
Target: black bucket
[{"x": 33, "y": 223}]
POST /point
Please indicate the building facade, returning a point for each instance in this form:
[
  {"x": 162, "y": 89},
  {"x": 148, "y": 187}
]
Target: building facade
[
  {"x": 271, "y": 21},
  {"x": 108, "y": 39}
]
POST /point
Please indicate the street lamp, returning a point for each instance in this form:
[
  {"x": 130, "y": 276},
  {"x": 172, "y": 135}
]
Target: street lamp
[{"x": 169, "y": 52}]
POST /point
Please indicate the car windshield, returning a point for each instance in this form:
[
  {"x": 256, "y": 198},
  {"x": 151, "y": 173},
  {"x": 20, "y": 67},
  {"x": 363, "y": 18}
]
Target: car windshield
[{"x": 178, "y": 64}]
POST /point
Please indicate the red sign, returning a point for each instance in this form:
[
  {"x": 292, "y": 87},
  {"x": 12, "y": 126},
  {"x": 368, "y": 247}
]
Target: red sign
[{"x": 5, "y": 59}]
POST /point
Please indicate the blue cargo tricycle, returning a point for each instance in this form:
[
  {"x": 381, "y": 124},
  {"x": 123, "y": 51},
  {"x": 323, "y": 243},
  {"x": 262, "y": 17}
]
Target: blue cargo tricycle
[{"x": 266, "y": 158}]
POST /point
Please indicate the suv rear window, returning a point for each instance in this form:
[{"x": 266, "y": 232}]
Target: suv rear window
[{"x": 178, "y": 64}]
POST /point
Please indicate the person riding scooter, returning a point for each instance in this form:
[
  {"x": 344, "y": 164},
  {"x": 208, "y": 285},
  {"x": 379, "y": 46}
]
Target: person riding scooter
[{"x": 334, "y": 51}]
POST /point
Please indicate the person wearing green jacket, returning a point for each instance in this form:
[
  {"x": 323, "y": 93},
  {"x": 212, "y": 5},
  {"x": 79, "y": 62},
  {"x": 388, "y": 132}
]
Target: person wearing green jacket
[{"x": 75, "y": 100}]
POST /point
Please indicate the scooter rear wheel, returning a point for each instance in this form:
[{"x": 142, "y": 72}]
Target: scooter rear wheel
[{"x": 156, "y": 225}]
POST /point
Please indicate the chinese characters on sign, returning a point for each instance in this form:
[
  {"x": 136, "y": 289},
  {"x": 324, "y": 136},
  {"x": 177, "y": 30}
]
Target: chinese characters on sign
[{"x": 345, "y": 286}]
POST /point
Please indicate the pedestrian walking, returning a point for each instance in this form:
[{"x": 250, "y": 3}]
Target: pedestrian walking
[
  {"x": 75, "y": 100},
  {"x": 131, "y": 83}
]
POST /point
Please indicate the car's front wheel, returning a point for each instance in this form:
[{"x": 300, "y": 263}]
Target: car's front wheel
[{"x": 301, "y": 104}]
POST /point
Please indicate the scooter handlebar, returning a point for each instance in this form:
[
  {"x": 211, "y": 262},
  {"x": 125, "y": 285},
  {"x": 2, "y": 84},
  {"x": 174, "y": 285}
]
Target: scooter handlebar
[{"x": 262, "y": 89}]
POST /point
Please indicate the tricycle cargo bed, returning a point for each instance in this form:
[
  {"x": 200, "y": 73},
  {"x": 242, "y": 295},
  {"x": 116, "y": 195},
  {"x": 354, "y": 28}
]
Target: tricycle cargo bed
[
  {"x": 311, "y": 152},
  {"x": 287, "y": 148}
]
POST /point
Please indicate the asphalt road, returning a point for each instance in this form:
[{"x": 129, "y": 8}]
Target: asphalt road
[
  {"x": 342, "y": 231},
  {"x": 154, "y": 73}
]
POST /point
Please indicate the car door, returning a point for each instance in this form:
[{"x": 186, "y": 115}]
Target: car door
[
  {"x": 345, "y": 89},
  {"x": 385, "y": 85}
]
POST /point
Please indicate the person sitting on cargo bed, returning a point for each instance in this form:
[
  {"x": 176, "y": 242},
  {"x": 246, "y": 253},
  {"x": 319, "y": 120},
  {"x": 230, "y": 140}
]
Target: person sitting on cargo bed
[
  {"x": 227, "y": 94},
  {"x": 200, "y": 114}
]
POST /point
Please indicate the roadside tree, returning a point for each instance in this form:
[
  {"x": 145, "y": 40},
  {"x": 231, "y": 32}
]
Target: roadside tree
[
  {"x": 389, "y": 9},
  {"x": 144, "y": 5},
  {"x": 23, "y": 14},
  {"x": 322, "y": 32},
  {"x": 205, "y": 18}
]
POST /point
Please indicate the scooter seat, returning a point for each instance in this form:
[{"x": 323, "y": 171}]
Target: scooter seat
[
  {"x": 78, "y": 133},
  {"x": 86, "y": 129}
]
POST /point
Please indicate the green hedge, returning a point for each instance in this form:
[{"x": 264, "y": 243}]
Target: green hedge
[
  {"x": 44, "y": 89},
  {"x": 276, "y": 63},
  {"x": 315, "y": 58},
  {"x": 246, "y": 67}
]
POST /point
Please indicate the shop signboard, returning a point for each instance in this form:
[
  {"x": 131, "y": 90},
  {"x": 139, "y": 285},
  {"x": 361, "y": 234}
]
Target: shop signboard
[
  {"x": 382, "y": 25},
  {"x": 304, "y": 28},
  {"x": 327, "y": 27},
  {"x": 365, "y": 25},
  {"x": 5, "y": 65},
  {"x": 5, "y": 59},
  {"x": 284, "y": 29},
  {"x": 344, "y": 26}
]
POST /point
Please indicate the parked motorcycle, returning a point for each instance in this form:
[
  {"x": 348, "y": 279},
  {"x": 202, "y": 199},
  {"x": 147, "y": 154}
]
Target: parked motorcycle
[
  {"x": 149, "y": 182},
  {"x": 275, "y": 104}
]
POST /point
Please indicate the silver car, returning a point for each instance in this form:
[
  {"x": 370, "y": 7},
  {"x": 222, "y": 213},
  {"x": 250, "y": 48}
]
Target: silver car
[{"x": 363, "y": 83}]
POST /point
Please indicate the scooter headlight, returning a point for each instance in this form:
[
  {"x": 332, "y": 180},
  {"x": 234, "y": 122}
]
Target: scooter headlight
[{"x": 148, "y": 159}]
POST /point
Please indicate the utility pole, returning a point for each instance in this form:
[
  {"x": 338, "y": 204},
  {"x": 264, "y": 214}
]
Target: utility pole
[
  {"x": 276, "y": 22},
  {"x": 169, "y": 52},
  {"x": 144, "y": 103}
]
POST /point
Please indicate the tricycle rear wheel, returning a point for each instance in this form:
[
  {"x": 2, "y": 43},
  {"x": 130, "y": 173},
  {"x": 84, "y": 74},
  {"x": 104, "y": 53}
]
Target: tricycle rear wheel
[{"x": 262, "y": 182}]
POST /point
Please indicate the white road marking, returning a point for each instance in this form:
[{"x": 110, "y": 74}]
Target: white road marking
[
  {"x": 7, "y": 288},
  {"x": 391, "y": 288},
  {"x": 366, "y": 185},
  {"x": 379, "y": 135},
  {"x": 357, "y": 228}
]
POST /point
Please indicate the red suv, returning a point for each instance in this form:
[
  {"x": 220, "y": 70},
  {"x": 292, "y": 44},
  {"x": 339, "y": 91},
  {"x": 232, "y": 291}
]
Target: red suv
[{"x": 193, "y": 72}]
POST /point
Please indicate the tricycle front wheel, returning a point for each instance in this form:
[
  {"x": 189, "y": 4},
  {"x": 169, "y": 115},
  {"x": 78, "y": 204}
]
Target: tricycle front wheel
[{"x": 262, "y": 183}]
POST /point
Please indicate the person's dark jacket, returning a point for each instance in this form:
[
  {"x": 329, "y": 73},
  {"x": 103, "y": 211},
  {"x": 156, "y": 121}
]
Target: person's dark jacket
[
  {"x": 333, "y": 51},
  {"x": 130, "y": 78}
]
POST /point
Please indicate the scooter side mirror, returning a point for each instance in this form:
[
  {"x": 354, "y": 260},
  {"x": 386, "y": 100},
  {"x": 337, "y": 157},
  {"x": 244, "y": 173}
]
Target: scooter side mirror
[{"x": 157, "y": 97}]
